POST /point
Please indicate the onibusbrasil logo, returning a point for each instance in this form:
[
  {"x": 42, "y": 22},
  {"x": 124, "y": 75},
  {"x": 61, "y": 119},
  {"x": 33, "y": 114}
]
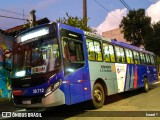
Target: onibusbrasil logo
[{"x": 14, "y": 114}]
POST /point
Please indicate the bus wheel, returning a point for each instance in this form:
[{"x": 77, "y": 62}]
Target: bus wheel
[
  {"x": 146, "y": 85},
  {"x": 98, "y": 96}
]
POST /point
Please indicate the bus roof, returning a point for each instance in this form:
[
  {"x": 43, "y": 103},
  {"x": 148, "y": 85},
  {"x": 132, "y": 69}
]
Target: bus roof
[
  {"x": 70, "y": 28},
  {"x": 130, "y": 46},
  {"x": 93, "y": 35}
]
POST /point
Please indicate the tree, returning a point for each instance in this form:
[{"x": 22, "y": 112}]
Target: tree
[
  {"x": 154, "y": 44},
  {"x": 76, "y": 22},
  {"x": 136, "y": 27}
]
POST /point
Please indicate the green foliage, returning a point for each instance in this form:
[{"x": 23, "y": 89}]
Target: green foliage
[
  {"x": 76, "y": 22},
  {"x": 136, "y": 26},
  {"x": 137, "y": 29},
  {"x": 154, "y": 43}
]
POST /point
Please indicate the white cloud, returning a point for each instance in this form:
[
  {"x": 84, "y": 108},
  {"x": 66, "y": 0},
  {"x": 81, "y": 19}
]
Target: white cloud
[
  {"x": 154, "y": 12},
  {"x": 112, "y": 20}
]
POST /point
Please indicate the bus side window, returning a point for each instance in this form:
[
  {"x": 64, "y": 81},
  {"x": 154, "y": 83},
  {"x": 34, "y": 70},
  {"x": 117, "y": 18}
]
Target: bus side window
[
  {"x": 91, "y": 52},
  {"x": 136, "y": 57},
  {"x": 111, "y": 51},
  {"x": 147, "y": 59},
  {"x": 117, "y": 54},
  {"x": 108, "y": 53},
  {"x": 142, "y": 57},
  {"x": 98, "y": 52},
  {"x": 152, "y": 60},
  {"x": 94, "y": 50},
  {"x": 120, "y": 54},
  {"x": 129, "y": 56}
]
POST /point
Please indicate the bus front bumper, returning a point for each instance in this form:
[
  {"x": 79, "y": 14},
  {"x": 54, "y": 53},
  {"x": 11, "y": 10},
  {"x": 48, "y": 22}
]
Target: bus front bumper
[{"x": 56, "y": 98}]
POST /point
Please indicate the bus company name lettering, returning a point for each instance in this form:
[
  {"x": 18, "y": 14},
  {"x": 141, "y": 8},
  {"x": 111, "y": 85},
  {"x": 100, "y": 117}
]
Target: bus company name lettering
[
  {"x": 105, "y": 68},
  {"x": 39, "y": 69}
]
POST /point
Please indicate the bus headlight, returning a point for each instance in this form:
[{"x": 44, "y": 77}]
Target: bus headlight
[
  {"x": 20, "y": 73},
  {"x": 53, "y": 87}
]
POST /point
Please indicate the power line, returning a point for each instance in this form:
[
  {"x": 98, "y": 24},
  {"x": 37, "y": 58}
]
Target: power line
[
  {"x": 102, "y": 6},
  {"x": 12, "y": 17},
  {"x": 13, "y": 12},
  {"x": 105, "y": 9},
  {"x": 21, "y": 14},
  {"x": 125, "y": 4}
]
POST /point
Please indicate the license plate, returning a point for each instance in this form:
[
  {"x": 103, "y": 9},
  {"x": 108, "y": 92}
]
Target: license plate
[{"x": 26, "y": 102}]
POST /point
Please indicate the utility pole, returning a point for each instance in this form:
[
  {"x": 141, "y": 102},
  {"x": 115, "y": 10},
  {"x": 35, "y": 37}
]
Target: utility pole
[{"x": 85, "y": 12}]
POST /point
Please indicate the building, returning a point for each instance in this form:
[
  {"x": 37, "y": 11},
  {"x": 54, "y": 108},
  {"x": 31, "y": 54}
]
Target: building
[
  {"x": 115, "y": 34},
  {"x": 6, "y": 42}
]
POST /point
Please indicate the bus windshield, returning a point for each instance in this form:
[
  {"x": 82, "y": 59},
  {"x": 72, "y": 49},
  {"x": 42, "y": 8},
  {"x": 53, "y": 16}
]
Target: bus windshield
[{"x": 35, "y": 57}]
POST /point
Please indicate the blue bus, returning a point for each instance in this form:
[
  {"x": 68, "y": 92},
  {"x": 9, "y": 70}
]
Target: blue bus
[{"x": 55, "y": 64}]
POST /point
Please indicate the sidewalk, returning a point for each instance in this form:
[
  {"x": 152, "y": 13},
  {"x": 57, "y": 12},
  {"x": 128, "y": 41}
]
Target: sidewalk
[{"x": 6, "y": 105}]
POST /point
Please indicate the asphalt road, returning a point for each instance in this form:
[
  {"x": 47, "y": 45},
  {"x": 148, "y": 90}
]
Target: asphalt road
[{"x": 131, "y": 105}]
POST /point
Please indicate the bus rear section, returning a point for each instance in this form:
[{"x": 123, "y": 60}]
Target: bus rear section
[{"x": 116, "y": 67}]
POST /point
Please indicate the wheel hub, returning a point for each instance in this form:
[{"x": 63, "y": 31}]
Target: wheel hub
[{"x": 98, "y": 95}]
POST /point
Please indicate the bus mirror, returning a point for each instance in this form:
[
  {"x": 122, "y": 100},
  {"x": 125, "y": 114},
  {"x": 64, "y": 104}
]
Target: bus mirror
[{"x": 7, "y": 59}]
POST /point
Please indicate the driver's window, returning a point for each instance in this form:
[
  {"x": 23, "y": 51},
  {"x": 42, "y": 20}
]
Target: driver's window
[{"x": 73, "y": 50}]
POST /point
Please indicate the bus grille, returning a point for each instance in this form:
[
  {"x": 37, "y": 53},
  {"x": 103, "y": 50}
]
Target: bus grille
[
  {"x": 24, "y": 83},
  {"x": 33, "y": 99}
]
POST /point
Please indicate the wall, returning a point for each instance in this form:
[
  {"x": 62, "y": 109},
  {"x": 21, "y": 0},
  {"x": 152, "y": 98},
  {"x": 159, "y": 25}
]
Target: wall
[
  {"x": 6, "y": 42},
  {"x": 114, "y": 34}
]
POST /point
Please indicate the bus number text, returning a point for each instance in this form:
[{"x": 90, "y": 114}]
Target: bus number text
[{"x": 38, "y": 90}]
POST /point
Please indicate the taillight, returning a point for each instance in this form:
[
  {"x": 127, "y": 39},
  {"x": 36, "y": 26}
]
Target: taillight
[{"x": 18, "y": 92}]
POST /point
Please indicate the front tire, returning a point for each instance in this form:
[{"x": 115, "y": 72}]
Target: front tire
[
  {"x": 146, "y": 85},
  {"x": 98, "y": 96}
]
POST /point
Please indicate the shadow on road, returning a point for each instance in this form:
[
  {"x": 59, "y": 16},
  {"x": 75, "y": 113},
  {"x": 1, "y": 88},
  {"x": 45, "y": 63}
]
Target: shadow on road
[
  {"x": 6, "y": 105},
  {"x": 114, "y": 98},
  {"x": 82, "y": 109},
  {"x": 79, "y": 110}
]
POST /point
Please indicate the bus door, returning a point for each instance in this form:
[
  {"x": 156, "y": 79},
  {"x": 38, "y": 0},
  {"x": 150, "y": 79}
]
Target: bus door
[{"x": 75, "y": 72}]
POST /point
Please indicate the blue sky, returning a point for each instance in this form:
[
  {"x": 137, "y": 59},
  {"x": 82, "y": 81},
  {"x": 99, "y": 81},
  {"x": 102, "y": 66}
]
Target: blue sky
[{"x": 100, "y": 18}]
